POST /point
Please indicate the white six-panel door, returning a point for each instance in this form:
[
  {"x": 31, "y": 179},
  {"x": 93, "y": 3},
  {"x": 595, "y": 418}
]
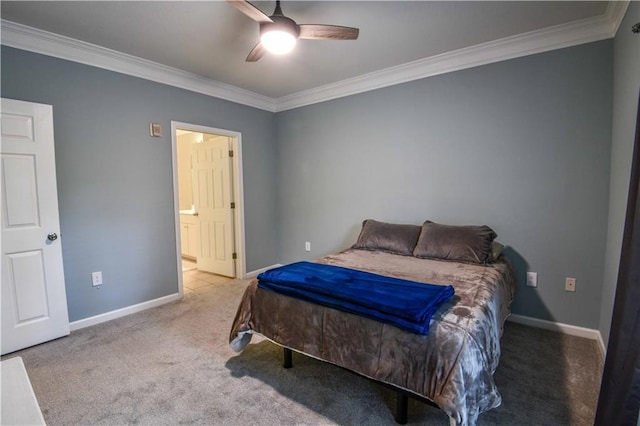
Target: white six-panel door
[
  {"x": 213, "y": 198},
  {"x": 34, "y": 304}
]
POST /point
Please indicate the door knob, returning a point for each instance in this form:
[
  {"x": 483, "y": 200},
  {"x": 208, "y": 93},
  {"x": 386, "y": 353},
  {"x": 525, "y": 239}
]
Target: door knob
[{"x": 52, "y": 236}]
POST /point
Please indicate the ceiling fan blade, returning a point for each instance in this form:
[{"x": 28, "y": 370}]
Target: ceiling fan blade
[
  {"x": 330, "y": 32},
  {"x": 256, "y": 53},
  {"x": 250, "y": 10}
]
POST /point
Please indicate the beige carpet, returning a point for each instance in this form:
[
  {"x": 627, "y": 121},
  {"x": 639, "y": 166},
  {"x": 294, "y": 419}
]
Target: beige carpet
[{"x": 172, "y": 365}]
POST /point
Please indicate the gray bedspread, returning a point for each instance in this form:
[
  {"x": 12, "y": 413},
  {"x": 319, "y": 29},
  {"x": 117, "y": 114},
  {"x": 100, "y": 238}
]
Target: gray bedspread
[{"x": 452, "y": 366}]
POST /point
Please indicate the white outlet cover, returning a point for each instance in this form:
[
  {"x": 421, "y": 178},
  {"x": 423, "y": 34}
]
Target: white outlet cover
[
  {"x": 570, "y": 284},
  {"x": 532, "y": 279},
  {"x": 96, "y": 278}
]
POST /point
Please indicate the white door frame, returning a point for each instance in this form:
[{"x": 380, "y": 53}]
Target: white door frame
[{"x": 238, "y": 193}]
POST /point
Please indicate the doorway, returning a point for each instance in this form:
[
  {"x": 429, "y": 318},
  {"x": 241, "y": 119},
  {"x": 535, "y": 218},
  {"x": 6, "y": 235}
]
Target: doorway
[{"x": 208, "y": 195}]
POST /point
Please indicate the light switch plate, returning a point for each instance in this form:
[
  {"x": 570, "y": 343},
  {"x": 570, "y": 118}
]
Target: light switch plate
[{"x": 155, "y": 130}]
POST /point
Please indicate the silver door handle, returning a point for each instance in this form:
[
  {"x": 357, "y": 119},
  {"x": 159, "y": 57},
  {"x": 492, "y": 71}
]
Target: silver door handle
[{"x": 52, "y": 236}]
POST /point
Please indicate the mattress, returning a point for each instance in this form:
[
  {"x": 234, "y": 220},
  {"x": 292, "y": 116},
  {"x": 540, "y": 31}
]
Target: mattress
[{"x": 452, "y": 366}]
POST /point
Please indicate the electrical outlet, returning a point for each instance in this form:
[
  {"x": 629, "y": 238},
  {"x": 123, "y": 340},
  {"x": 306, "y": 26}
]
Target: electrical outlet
[
  {"x": 532, "y": 279},
  {"x": 307, "y": 246},
  {"x": 570, "y": 284},
  {"x": 96, "y": 278}
]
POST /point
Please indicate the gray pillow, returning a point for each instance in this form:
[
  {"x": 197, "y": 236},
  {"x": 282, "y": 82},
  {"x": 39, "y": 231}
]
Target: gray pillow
[
  {"x": 460, "y": 243},
  {"x": 496, "y": 250},
  {"x": 388, "y": 237}
]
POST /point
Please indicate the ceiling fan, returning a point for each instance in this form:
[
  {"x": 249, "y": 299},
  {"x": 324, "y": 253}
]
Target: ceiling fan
[{"x": 278, "y": 33}]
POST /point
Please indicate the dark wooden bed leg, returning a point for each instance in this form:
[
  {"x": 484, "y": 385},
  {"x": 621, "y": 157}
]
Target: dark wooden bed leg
[
  {"x": 288, "y": 362},
  {"x": 402, "y": 406}
]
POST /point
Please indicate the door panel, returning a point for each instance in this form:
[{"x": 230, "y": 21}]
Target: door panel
[
  {"x": 34, "y": 304},
  {"x": 17, "y": 126},
  {"x": 28, "y": 286},
  {"x": 19, "y": 195}
]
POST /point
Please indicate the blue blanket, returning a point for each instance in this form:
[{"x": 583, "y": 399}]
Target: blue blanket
[{"x": 405, "y": 304}]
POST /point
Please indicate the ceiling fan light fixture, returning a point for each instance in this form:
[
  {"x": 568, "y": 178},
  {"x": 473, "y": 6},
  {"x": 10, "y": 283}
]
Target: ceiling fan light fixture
[
  {"x": 278, "y": 41},
  {"x": 279, "y": 34}
]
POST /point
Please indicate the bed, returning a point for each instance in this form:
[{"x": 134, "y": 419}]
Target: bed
[{"x": 452, "y": 366}]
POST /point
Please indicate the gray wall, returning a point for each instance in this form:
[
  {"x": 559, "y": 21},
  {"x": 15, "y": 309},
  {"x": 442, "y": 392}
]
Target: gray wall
[
  {"x": 626, "y": 86},
  {"x": 522, "y": 146},
  {"x": 115, "y": 186}
]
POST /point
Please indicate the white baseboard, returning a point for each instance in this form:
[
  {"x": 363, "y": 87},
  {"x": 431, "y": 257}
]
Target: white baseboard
[
  {"x": 257, "y": 272},
  {"x": 572, "y": 330},
  {"x": 108, "y": 316},
  {"x": 603, "y": 347}
]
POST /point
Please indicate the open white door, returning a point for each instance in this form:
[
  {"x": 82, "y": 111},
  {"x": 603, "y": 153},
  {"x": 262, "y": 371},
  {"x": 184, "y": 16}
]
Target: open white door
[
  {"x": 213, "y": 202},
  {"x": 34, "y": 303}
]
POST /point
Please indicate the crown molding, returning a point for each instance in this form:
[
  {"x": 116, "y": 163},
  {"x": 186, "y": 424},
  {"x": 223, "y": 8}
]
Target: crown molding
[
  {"x": 615, "y": 13},
  {"x": 557, "y": 37},
  {"x": 35, "y": 40}
]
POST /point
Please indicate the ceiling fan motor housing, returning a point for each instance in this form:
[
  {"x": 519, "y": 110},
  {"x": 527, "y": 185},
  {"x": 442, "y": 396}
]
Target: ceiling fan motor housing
[{"x": 280, "y": 23}]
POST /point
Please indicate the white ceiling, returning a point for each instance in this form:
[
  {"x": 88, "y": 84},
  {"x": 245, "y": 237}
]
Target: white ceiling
[{"x": 211, "y": 38}]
